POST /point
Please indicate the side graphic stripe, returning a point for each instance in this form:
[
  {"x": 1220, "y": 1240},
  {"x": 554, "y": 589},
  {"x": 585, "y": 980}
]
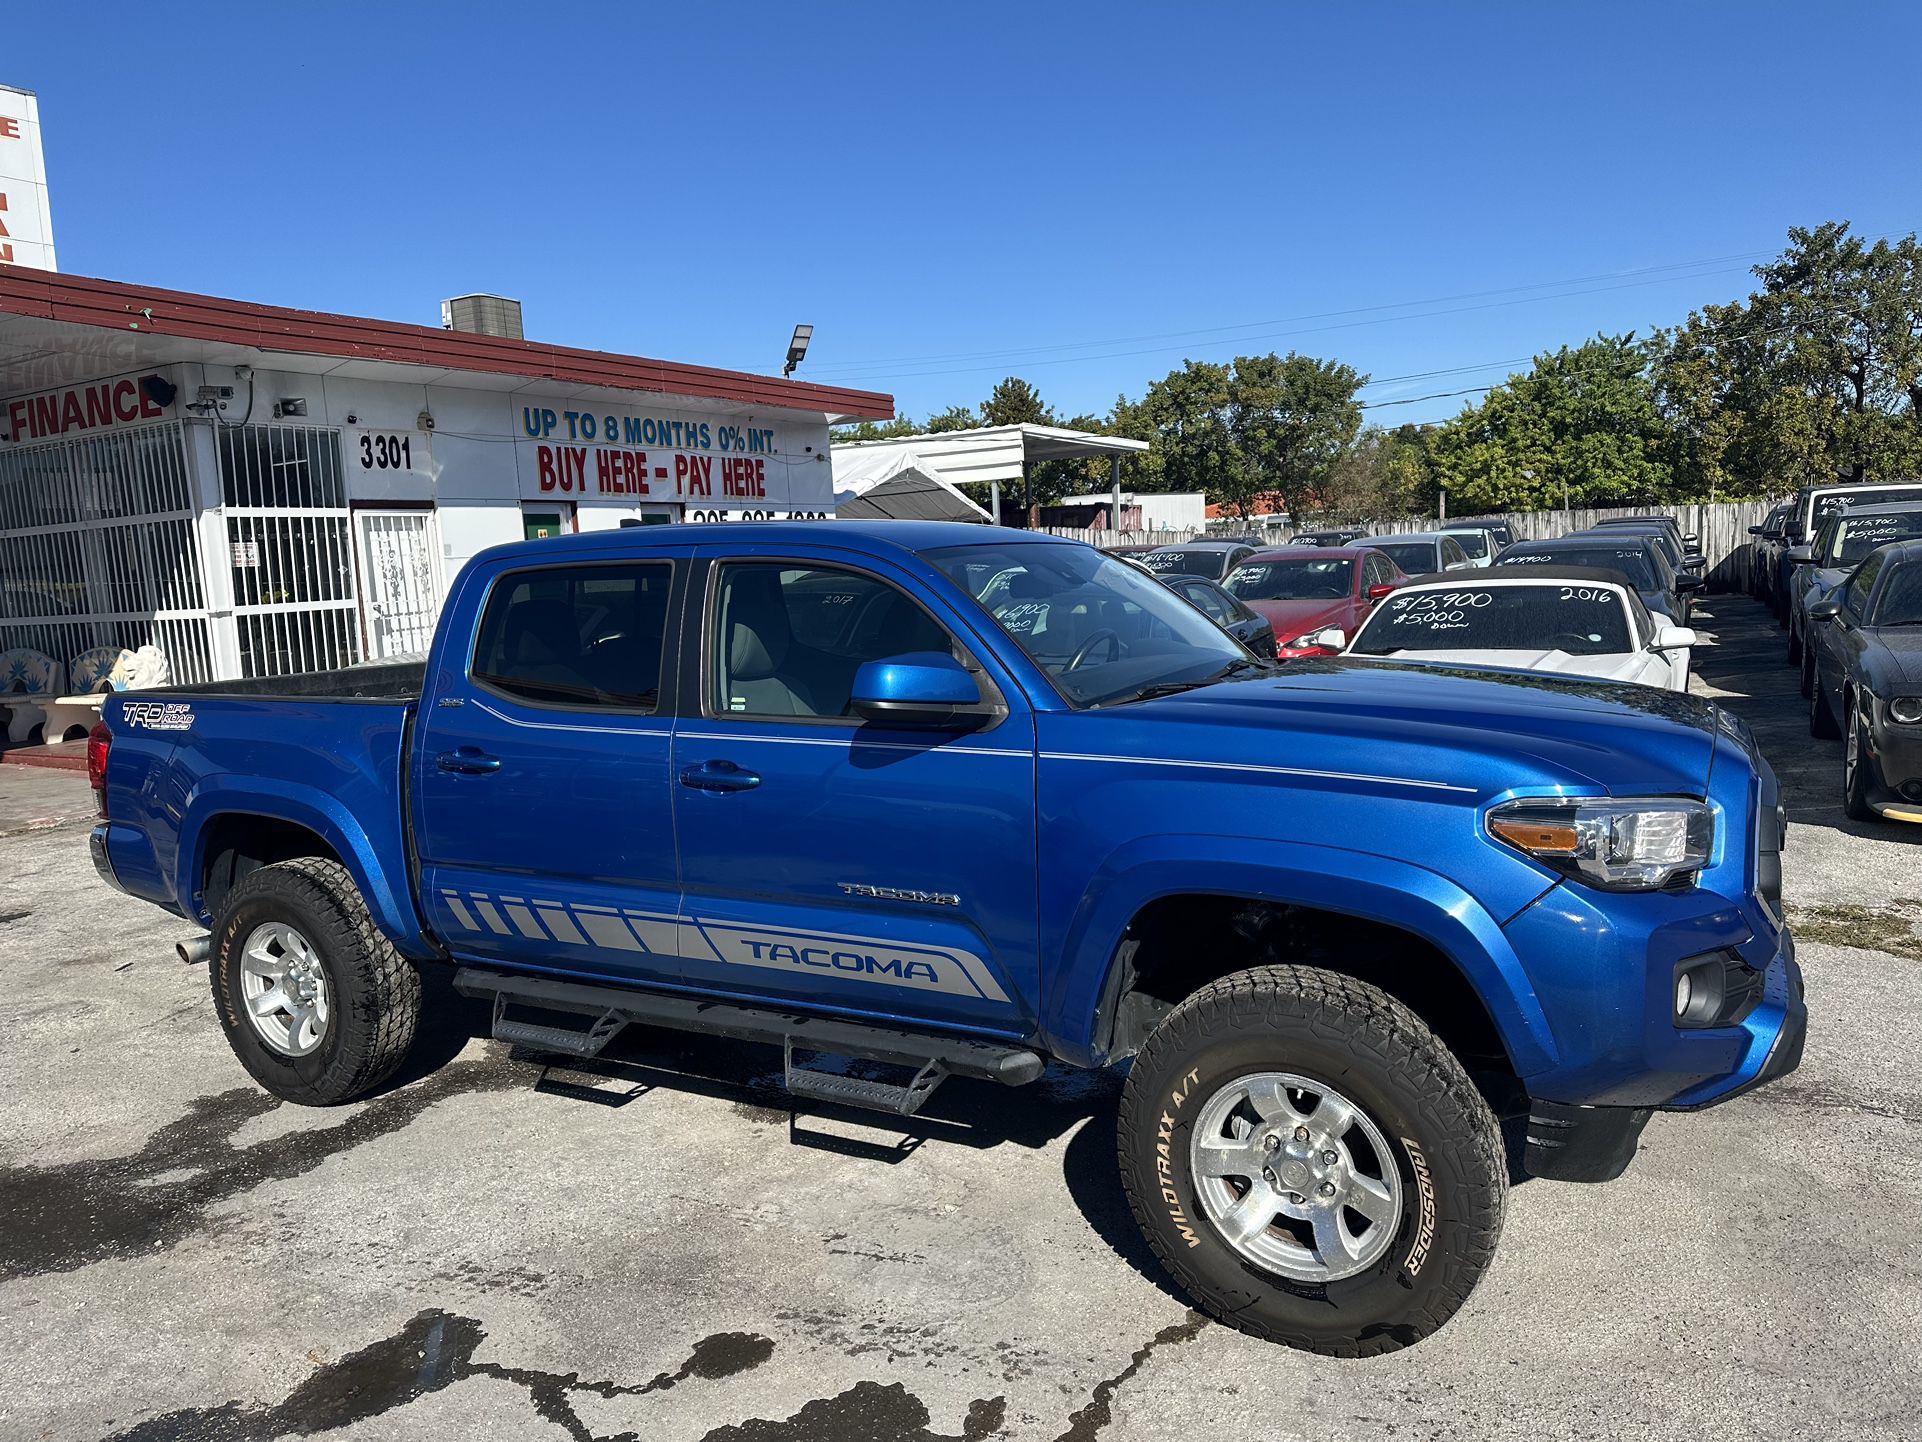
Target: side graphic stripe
[
  {"x": 523, "y": 920},
  {"x": 1265, "y": 770},
  {"x": 554, "y": 916},
  {"x": 485, "y": 909},
  {"x": 461, "y": 913}
]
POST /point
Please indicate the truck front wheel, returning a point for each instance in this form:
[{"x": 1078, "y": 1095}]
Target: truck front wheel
[
  {"x": 1310, "y": 1162},
  {"x": 316, "y": 1003}
]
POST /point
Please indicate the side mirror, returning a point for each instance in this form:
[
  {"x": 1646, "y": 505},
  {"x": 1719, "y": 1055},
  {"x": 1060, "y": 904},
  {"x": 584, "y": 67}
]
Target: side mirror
[
  {"x": 1691, "y": 542},
  {"x": 1376, "y": 592},
  {"x": 1801, "y": 555},
  {"x": 1672, "y": 638},
  {"x": 1685, "y": 584},
  {"x": 1330, "y": 638},
  {"x": 1793, "y": 531},
  {"x": 922, "y": 688},
  {"x": 1826, "y": 610},
  {"x": 1758, "y": 530}
]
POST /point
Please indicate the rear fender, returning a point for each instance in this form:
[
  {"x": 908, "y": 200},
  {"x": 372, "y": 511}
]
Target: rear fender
[
  {"x": 1374, "y": 888},
  {"x": 382, "y": 884}
]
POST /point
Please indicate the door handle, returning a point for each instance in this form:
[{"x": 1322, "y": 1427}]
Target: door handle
[
  {"x": 719, "y": 776},
  {"x": 468, "y": 761}
]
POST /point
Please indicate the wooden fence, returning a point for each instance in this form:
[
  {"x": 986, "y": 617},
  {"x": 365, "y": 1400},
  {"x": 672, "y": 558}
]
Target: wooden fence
[{"x": 1721, "y": 527}]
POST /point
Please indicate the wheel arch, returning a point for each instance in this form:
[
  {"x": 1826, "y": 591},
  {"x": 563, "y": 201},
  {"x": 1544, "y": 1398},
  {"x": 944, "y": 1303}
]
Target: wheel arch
[
  {"x": 1474, "y": 988},
  {"x": 232, "y": 826}
]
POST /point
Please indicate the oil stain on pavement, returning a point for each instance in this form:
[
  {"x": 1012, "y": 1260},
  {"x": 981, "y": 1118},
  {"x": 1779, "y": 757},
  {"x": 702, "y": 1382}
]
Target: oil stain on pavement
[
  {"x": 58, "y": 1218},
  {"x": 434, "y": 1350}
]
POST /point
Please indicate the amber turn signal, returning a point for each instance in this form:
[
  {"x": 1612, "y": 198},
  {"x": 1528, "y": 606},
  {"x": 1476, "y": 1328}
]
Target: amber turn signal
[{"x": 1536, "y": 836}]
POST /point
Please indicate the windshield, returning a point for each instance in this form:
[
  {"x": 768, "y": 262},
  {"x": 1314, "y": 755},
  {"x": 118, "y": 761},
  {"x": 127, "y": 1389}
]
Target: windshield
[
  {"x": 1099, "y": 628},
  {"x": 1846, "y": 539},
  {"x": 1290, "y": 578},
  {"x": 1829, "y": 502},
  {"x": 1416, "y": 558},
  {"x": 1901, "y": 603},
  {"x": 1579, "y": 619},
  {"x": 1178, "y": 562},
  {"x": 1632, "y": 562},
  {"x": 1475, "y": 543}
]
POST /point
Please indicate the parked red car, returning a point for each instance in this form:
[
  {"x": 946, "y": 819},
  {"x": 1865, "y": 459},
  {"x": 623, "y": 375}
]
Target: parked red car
[{"x": 1305, "y": 590}]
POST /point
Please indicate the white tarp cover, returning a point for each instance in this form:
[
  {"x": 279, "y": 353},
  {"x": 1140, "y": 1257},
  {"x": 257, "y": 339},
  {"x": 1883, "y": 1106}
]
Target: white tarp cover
[{"x": 894, "y": 486}]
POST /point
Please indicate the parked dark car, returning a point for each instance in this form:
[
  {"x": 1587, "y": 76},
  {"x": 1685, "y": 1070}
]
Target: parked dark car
[
  {"x": 1806, "y": 511},
  {"x": 1842, "y": 541},
  {"x": 1212, "y": 559},
  {"x": 1421, "y": 553},
  {"x": 1307, "y": 591},
  {"x": 1867, "y": 644},
  {"x": 1635, "y": 556},
  {"x": 1339, "y": 536},
  {"x": 1251, "y": 628},
  {"x": 1768, "y": 542},
  {"x": 1682, "y": 551}
]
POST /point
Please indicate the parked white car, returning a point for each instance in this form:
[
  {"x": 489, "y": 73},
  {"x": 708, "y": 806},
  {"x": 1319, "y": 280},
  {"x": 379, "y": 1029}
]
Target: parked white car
[{"x": 1566, "y": 620}]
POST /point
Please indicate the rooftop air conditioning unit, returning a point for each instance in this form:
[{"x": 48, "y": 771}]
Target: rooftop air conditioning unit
[{"x": 483, "y": 315}]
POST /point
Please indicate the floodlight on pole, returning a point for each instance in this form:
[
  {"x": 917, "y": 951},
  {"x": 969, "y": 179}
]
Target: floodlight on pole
[{"x": 797, "y": 348}]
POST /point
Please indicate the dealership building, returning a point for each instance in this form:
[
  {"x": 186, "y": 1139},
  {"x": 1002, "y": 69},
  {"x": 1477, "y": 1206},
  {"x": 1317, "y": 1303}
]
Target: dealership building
[{"x": 259, "y": 491}]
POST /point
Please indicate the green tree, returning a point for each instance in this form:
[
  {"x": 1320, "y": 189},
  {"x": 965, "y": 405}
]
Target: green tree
[
  {"x": 1259, "y": 424},
  {"x": 1581, "y": 428},
  {"x": 871, "y": 431},
  {"x": 1384, "y": 473},
  {"x": 954, "y": 418},
  {"x": 1014, "y": 402},
  {"x": 1817, "y": 375}
]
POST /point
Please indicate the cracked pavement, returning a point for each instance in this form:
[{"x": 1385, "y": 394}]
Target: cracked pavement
[{"x": 645, "y": 1249}]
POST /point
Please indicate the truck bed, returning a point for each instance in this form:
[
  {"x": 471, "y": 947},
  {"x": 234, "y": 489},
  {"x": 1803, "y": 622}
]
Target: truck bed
[{"x": 370, "y": 681}]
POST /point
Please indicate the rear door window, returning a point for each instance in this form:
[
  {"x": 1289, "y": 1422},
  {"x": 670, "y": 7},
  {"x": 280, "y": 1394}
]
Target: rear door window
[{"x": 588, "y": 637}]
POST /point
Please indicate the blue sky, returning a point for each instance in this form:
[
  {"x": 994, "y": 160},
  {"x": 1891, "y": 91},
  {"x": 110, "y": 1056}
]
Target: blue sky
[{"x": 1082, "y": 194}]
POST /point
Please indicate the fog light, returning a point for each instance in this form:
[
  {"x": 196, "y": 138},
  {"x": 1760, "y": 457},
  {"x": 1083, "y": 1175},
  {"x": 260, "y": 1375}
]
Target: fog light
[
  {"x": 1718, "y": 989},
  {"x": 1684, "y": 992}
]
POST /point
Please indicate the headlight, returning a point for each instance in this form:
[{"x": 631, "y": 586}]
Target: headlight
[
  {"x": 1613, "y": 845},
  {"x": 1907, "y": 710}
]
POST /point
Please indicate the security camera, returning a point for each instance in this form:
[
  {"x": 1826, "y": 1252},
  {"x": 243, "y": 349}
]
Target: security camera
[
  {"x": 425, "y": 420},
  {"x": 243, "y": 373}
]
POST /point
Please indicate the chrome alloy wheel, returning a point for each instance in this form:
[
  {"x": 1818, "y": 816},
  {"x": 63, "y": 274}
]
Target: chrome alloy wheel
[
  {"x": 284, "y": 989},
  {"x": 1295, "y": 1177}
]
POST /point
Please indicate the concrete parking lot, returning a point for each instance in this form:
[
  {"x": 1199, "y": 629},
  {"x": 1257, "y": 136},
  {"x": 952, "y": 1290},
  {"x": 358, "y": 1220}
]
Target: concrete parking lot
[{"x": 649, "y": 1250}]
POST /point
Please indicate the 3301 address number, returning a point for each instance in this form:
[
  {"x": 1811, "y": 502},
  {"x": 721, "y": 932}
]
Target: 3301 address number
[{"x": 382, "y": 452}]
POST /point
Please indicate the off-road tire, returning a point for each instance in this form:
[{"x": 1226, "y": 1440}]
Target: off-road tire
[
  {"x": 1321, "y": 1025},
  {"x": 374, "y": 990}
]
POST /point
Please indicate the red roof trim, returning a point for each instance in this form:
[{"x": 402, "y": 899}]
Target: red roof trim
[{"x": 119, "y": 306}]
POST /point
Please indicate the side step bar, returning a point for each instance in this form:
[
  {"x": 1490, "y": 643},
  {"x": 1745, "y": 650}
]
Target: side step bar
[{"x": 934, "y": 1058}]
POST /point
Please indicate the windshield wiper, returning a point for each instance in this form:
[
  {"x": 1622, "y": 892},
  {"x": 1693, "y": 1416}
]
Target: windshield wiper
[{"x": 1171, "y": 688}]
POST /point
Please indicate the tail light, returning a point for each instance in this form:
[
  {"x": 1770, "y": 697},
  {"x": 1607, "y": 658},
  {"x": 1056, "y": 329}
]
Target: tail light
[{"x": 99, "y": 743}]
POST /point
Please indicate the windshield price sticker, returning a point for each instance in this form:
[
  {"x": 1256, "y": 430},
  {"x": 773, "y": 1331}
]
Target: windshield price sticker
[
  {"x": 1438, "y": 610},
  {"x": 1585, "y": 593}
]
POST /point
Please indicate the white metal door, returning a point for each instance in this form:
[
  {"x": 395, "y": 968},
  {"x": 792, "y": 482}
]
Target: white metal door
[{"x": 399, "y": 580}]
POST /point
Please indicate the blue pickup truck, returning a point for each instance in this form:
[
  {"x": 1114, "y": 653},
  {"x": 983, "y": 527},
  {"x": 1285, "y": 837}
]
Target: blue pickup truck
[{"x": 915, "y": 800}]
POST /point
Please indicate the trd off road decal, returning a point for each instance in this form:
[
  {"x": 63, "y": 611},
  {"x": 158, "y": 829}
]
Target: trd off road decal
[
  {"x": 950, "y": 971},
  {"x": 1425, "y": 1226},
  {"x": 158, "y": 715},
  {"x": 1164, "y": 1166}
]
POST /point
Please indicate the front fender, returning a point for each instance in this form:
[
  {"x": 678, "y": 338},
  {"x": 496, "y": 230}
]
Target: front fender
[
  {"x": 382, "y": 885},
  {"x": 1375, "y": 888}
]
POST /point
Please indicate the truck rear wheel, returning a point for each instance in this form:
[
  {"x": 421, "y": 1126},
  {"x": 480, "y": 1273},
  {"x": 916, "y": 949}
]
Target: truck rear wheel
[
  {"x": 316, "y": 1003},
  {"x": 1311, "y": 1163}
]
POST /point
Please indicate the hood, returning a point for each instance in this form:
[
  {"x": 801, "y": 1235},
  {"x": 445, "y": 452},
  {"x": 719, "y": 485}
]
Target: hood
[
  {"x": 1904, "y": 645},
  {"x": 1615, "y": 666},
  {"x": 1291, "y": 618},
  {"x": 1487, "y": 732}
]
